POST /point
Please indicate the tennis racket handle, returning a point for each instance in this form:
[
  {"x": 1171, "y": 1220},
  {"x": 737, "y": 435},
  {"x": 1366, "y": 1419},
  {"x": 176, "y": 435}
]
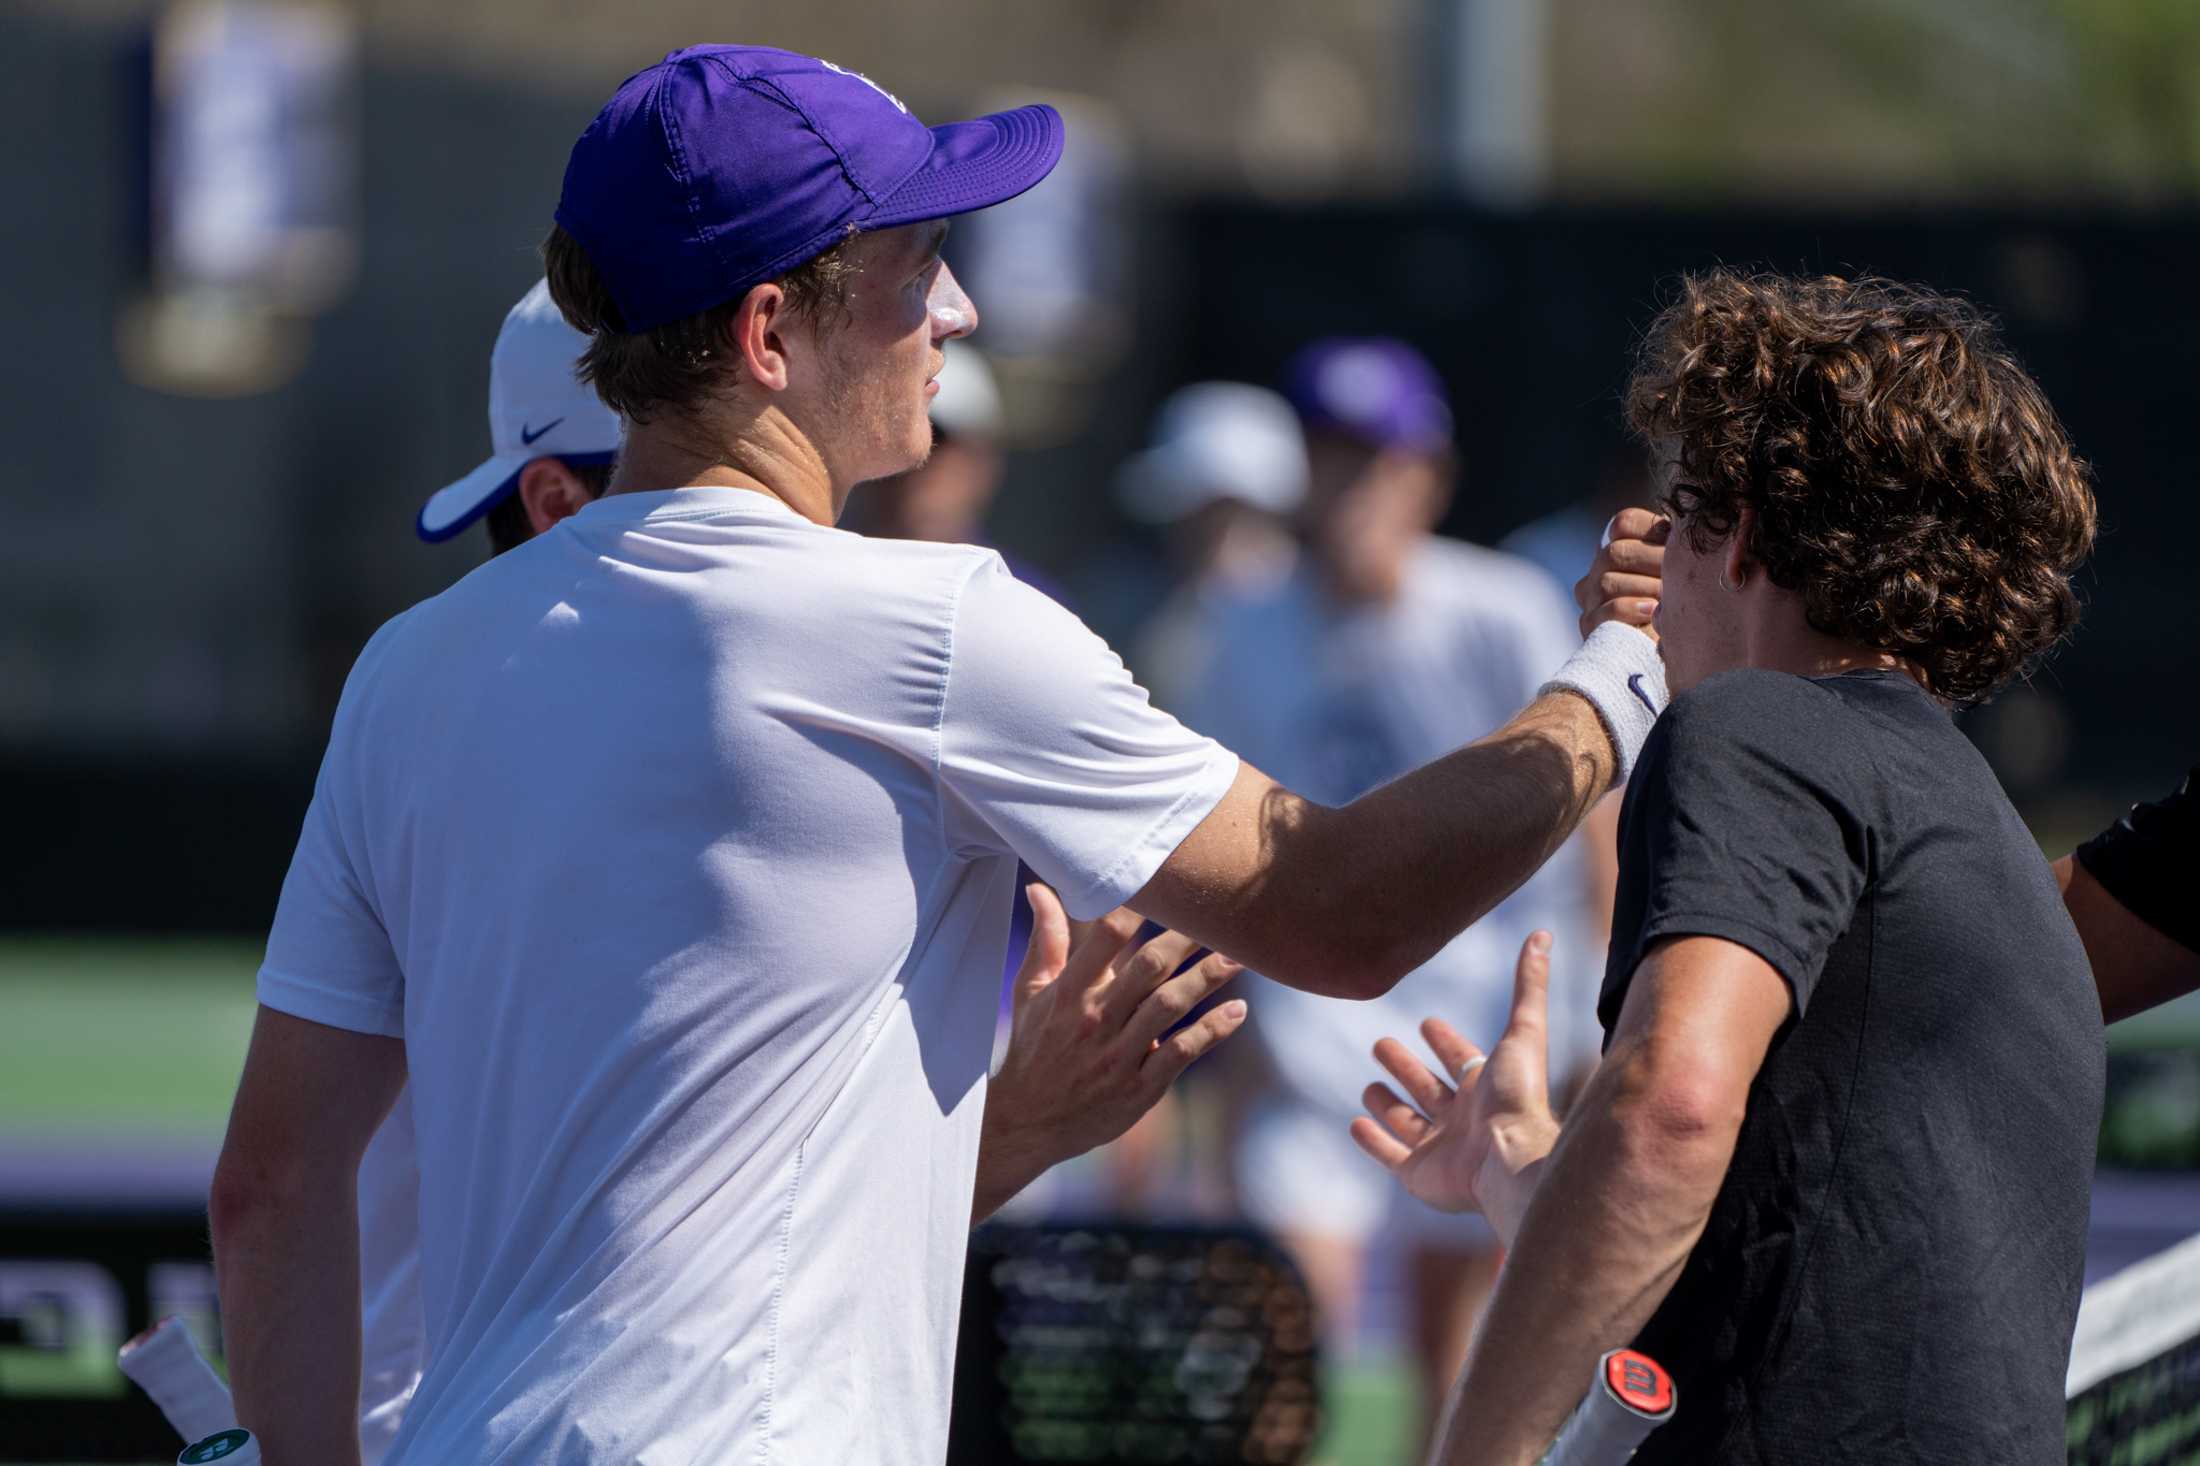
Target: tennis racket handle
[
  {"x": 233, "y": 1447},
  {"x": 167, "y": 1366},
  {"x": 1632, "y": 1396}
]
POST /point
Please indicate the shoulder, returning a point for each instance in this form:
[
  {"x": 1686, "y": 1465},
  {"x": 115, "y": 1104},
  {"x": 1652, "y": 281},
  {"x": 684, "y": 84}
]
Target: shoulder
[{"x": 1757, "y": 719}]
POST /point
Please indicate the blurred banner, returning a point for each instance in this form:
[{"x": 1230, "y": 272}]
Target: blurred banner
[{"x": 253, "y": 145}]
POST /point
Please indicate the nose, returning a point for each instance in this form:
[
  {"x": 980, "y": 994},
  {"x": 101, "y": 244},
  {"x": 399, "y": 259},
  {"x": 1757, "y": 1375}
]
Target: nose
[{"x": 953, "y": 313}]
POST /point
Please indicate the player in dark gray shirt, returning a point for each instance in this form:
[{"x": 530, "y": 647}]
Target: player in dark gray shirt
[{"x": 1834, "y": 1171}]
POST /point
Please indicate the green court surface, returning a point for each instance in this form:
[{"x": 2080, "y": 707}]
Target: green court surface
[{"x": 130, "y": 1039}]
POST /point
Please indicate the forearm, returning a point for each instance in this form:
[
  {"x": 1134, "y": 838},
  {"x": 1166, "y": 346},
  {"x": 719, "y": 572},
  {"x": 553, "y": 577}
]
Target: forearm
[
  {"x": 1623, "y": 1200},
  {"x": 2135, "y": 967},
  {"x": 287, "y": 1261},
  {"x": 1434, "y": 851}
]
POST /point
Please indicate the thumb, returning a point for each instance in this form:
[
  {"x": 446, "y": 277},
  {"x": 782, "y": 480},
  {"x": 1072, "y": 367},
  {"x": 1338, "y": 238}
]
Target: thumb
[{"x": 1049, "y": 947}]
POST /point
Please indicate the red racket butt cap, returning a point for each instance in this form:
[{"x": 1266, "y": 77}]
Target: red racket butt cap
[{"x": 1637, "y": 1382}]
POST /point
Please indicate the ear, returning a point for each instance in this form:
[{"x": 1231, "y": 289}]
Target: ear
[
  {"x": 756, "y": 336},
  {"x": 1734, "y": 554},
  {"x": 551, "y": 492}
]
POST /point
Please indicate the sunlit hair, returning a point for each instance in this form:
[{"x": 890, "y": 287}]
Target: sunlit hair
[
  {"x": 1909, "y": 480},
  {"x": 680, "y": 365}
]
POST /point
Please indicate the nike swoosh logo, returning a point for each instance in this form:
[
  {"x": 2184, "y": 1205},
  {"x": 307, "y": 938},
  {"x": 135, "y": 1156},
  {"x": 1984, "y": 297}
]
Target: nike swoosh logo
[
  {"x": 1634, "y": 685},
  {"x": 526, "y": 439}
]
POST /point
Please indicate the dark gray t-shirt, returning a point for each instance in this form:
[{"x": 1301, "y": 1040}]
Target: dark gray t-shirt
[{"x": 1892, "y": 1267}]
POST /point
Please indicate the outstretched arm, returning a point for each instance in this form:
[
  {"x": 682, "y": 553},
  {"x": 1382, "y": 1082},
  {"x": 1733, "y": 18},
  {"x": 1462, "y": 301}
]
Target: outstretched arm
[
  {"x": 1623, "y": 1197},
  {"x": 1345, "y": 901},
  {"x": 285, "y": 1213},
  {"x": 1090, "y": 1049}
]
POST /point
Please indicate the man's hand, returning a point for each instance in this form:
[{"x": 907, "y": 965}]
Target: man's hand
[
  {"x": 1624, "y": 581},
  {"x": 1478, "y": 1147},
  {"x": 1089, "y": 1048}
]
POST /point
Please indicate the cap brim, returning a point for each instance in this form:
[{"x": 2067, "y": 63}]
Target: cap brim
[
  {"x": 454, "y": 506},
  {"x": 975, "y": 165}
]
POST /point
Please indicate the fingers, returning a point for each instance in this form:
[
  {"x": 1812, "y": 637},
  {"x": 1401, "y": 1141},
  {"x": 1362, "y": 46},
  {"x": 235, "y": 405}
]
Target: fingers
[
  {"x": 1380, "y": 1144},
  {"x": 1631, "y": 612},
  {"x": 1632, "y": 557},
  {"x": 1615, "y": 585},
  {"x": 1636, "y": 524},
  {"x": 1449, "y": 1047},
  {"x": 1394, "y": 1114},
  {"x": 1180, "y": 1048},
  {"x": 1623, "y": 583},
  {"x": 1167, "y": 1004},
  {"x": 1139, "y": 974},
  {"x": 1427, "y": 1091},
  {"x": 1531, "y": 986},
  {"x": 1094, "y": 949},
  {"x": 1049, "y": 947}
]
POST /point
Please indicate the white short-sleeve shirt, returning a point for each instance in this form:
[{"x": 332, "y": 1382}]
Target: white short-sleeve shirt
[{"x": 678, "y": 844}]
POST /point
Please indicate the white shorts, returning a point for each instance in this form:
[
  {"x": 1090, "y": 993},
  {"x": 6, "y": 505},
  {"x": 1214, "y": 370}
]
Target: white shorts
[{"x": 1299, "y": 1170}]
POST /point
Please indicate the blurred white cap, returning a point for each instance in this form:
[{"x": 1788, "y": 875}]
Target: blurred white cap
[
  {"x": 1217, "y": 440},
  {"x": 968, "y": 403},
  {"x": 536, "y": 410}
]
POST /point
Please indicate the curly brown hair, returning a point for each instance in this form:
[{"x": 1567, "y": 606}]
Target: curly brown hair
[
  {"x": 1909, "y": 480},
  {"x": 676, "y": 366}
]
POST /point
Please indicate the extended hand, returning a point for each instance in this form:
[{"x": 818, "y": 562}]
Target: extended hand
[
  {"x": 1625, "y": 580},
  {"x": 1476, "y": 1147},
  {"x": 1089, "y": 1047}
]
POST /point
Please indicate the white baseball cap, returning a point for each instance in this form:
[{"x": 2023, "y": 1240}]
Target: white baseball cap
[
  {"x": 536, "y": 410},
  {"x": 1217, "y": 440}
]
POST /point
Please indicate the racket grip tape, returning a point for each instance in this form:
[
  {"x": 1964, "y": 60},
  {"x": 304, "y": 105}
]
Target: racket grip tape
[{"x": 167, "y": 1365}]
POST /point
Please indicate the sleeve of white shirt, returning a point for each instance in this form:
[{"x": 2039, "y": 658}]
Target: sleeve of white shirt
[
  {"x": 329, "y": 958},
  {"x": 1050, "y": 752}
]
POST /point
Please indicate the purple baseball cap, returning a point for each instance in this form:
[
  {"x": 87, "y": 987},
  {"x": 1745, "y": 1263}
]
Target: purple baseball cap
[
  {"x": 723, "y": 166},
  {"x": 1373, "y": 388}
]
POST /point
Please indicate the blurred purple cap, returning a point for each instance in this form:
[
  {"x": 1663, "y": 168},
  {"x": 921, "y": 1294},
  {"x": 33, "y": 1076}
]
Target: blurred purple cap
[
  {"x": 723, "y": 166},
  {"x": 1373, "y": 388}
]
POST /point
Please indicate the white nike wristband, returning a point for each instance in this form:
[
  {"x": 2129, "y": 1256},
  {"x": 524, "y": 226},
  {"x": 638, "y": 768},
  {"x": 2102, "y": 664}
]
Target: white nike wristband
[{"x": 1619, "y": 671}]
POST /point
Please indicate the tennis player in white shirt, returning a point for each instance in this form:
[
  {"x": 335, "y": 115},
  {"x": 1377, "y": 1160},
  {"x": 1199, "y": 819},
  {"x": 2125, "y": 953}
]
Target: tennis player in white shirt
[
  {"x": 554, "y": 444},
  {"x": 670, "y": 854}
]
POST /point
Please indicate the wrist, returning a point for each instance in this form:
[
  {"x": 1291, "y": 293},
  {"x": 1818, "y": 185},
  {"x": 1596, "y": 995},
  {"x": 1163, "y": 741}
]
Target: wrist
[
  {"x": 1511, "y": 1174},
  {"x": 1619, "y": 673}
]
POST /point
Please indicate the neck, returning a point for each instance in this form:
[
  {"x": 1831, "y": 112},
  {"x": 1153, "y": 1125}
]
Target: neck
[
  {"x": 1788, "y": 643},
  {"x": 761, "y": 451}
]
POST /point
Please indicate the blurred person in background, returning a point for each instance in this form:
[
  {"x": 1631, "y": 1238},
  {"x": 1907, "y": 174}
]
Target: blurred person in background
[
  {"x": 1222, "y": 478},
  {"x": 660, "y": 853},
  {"x": 1381, "y": 648},
  {"x": 2129, "y": 889},
  {"x": 1834, "y": 1171}
]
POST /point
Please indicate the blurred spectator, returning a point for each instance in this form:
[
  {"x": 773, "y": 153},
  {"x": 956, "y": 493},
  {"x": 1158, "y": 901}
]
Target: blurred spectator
[
  {"x": 1567, "y": 538},
  {"x": 1384, "y": 646},
  {"x": 1226, "y": 470}
]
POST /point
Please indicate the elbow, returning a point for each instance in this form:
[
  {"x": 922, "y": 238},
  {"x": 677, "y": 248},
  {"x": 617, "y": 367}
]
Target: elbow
[
  {"x": 244, "y": 1199},
  {"x": 1336, "y": 962},
  {"x": 1681, "y": 1124}
]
